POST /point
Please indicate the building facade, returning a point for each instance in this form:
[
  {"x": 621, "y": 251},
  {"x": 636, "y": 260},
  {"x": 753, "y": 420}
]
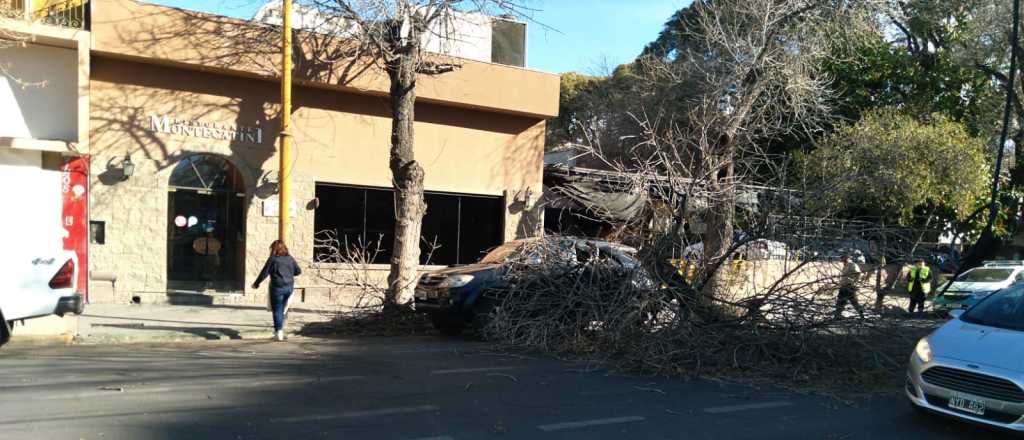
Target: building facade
[{"x": 183, "y": 132}]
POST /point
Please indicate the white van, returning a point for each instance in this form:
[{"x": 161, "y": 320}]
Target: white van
[
  {"x": 42, "y": 285},
  {"x": 38, "y": 277}
]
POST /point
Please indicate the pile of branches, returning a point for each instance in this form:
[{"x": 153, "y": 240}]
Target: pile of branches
[{"x": 634, "y": 318}]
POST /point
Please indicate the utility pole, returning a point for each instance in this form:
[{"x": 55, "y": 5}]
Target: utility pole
[{"x": 285, "y": 156}]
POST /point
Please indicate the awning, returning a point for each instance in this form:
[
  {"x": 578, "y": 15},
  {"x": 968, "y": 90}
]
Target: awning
[{"x": 612, "y": 202}]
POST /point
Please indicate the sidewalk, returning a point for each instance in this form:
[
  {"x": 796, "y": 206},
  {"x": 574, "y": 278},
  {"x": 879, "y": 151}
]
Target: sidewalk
[
  {"x": 126, "y": 323},
  {"x": 117, "y": 323}
]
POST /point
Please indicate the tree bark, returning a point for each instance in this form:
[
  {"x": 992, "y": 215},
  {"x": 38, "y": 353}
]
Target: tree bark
[
  {"x": 407, "y": 177},
  {"x": 717, "y": 237}
]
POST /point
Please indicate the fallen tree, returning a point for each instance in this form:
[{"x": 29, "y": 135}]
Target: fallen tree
[
  {"x": 742, "y": 74},
  {"x": 787, "y": 332}
]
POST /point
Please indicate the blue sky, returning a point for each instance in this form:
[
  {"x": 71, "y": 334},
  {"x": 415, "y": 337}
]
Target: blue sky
[{"x": 569, "y": 35}]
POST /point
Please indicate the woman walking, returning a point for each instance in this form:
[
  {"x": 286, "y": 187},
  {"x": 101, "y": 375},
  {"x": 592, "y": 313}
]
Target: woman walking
[{"x": 282, "y": 270}]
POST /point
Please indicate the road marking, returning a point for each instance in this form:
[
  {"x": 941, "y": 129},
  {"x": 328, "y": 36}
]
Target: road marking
[
  {"x": 358, "y": 414},
  {"x": 471, "y": 370},
  {"x": 440, "y": 437},
  {"x": 586, "y": 423},
  {"x": 425, "y": 350},
  {"x": 119, "y": 391},
  {"x": 747, "y": 407}
]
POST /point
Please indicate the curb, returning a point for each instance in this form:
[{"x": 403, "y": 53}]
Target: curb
[
  {"x": 40, "y": 340},
  {"x": 165, "y": 337}
]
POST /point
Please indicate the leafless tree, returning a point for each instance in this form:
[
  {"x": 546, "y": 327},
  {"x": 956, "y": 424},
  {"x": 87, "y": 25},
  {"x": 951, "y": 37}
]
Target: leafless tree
[
  {"x": 11, "y": 10},
  {"x": 393, "y": 34},
  {"x": 745, "y": 72}
]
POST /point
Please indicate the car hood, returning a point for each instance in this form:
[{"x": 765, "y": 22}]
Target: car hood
[
  {"x": 979, "y": 344},
  {"x": 467, "y": 269},
  {"x": 965, "y": 287}
]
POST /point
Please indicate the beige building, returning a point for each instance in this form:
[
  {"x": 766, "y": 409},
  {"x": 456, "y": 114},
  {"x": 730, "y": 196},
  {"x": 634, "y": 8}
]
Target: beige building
[{"x": 183, "y": 133}]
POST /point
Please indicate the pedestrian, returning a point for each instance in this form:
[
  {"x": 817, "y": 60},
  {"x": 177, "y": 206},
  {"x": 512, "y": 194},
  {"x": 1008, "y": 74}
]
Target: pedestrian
[
  {"x": 848, "y": 279},
  {"x": 282, "y": 270},
  {"x": 919, "y": 284}
]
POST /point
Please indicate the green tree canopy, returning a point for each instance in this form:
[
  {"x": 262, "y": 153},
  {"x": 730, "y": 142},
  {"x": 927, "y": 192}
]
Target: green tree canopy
[{"x": 889, "y": 163}]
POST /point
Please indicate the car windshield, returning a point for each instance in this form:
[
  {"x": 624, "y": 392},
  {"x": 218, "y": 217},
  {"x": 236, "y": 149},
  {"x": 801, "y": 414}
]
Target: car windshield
[
  {"x": 985, "y": 275},
  {"x": 1003, "y": 309}
]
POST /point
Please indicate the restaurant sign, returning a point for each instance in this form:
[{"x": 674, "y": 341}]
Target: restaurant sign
[{"x": 207, "y": 130}]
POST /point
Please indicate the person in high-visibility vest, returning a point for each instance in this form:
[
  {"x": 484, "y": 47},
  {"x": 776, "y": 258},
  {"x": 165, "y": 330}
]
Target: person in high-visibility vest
[{"x": 919, "y": 284}]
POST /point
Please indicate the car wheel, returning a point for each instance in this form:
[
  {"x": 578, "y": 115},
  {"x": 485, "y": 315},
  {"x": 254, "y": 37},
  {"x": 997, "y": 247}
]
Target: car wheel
[
  {"x": 483, "y": 311},
  {"x": 446, "y": 325}
]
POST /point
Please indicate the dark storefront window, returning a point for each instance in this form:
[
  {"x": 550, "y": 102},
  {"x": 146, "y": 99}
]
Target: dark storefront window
[
  {"x": 480, "y": 231},
  {"x": 440, "y": 230},
  {"x": 457, "y": 229},
  {"x": 576, "y": 223}
]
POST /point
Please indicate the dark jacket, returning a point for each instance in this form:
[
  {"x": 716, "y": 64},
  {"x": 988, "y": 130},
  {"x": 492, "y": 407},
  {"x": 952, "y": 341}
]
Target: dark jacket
[{"x": 281, "y": 270}]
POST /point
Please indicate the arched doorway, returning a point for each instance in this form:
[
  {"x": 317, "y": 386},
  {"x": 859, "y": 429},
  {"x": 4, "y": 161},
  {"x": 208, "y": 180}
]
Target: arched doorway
[{"x": 206, "y": 225}]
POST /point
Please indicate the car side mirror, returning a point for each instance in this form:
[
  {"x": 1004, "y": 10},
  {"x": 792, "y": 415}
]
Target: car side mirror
[{"x": 956, "y": 314}]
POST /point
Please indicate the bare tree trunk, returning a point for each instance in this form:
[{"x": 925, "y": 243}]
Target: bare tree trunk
[
  {"x": 717, "y": 237},
  {"x": 407, "y": 177}
]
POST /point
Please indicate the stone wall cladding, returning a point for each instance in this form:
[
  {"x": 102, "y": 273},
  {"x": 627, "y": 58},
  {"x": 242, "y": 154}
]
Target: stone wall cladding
[
  {"x": 262, "y": 230},
  {"x": 135, "y": 215}
]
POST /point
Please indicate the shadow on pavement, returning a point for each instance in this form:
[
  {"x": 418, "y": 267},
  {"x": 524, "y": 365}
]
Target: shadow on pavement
[
  {"x": 138, "y": 322},
  {"x": 371, "y": 324},
  {"x": 211, "y": 333}
]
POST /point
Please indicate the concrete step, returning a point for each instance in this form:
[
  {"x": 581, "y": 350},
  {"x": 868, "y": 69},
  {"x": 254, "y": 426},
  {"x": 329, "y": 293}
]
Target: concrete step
[{"x": 190, "y": 298}]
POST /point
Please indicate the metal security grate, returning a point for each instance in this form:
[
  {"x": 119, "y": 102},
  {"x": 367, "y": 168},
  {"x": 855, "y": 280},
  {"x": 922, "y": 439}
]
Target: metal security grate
[{"x": 974, "y": 383}]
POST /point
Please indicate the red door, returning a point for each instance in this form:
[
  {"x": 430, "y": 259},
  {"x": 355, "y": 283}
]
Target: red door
[{"x": 74, "y": 191}]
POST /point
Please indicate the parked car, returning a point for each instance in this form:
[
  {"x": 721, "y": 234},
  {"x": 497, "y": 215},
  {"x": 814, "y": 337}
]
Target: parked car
[
  {"x": 35, "y": 286},
  {"x": 454, "y": 297},
  {"x": 759, "y": 249},
  {"x": 977, "y": 283},
  {"x": 972, "y": 367},
  {"x": 763, "y": 249}
]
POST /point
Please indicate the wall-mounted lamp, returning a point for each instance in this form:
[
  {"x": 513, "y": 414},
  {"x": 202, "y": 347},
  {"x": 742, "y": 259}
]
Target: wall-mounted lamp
[
  {"x": 127, "y": 167},
  {"x": 525, "y": 197}
]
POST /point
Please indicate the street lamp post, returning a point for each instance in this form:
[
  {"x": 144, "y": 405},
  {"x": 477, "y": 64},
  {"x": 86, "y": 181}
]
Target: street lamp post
[{"x": 285, "y": 156}]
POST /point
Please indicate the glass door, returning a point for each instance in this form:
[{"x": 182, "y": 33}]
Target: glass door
[{"x": 205, "y": 228}]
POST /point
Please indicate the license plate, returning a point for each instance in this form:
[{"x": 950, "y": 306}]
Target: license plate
[{"x": 967, "y": 404}]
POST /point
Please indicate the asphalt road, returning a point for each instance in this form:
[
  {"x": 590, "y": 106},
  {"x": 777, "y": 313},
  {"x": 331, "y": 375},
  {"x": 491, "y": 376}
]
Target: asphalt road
[{"x": 403, "y": 388}]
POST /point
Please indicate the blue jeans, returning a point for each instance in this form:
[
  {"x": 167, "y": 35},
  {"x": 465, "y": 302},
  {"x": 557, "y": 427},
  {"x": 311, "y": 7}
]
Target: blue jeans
[{"x": 278, "y": 298}]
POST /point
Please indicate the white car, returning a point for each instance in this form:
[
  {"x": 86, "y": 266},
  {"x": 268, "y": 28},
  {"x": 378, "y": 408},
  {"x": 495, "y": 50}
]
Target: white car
[
  {"x": 975, "y": 284},
  {"x": 972, "y": 367},
  {"x": 760, "y": 249},
  {"x": 37, "y": 285}
]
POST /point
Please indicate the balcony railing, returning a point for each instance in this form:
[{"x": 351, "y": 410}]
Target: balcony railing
[{"x": 64, "y": 13}]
